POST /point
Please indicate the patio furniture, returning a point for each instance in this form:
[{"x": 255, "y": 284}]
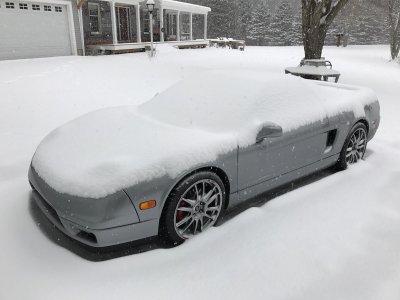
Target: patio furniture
[
  {"x": 342, "y": 39},
  {"x": 316, "y": 62},
  {"x": 228, "y": 42},
  {"x": 320, "y": 69}
]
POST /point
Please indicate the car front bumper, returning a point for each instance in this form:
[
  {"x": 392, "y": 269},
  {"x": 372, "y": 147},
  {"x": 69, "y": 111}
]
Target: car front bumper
[
  {"x": 95, "y": 222},
  {"x": 96, "y": 237}
]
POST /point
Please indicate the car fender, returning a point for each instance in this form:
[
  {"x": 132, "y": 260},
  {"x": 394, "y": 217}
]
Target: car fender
[{"x": 159, "y": 188}]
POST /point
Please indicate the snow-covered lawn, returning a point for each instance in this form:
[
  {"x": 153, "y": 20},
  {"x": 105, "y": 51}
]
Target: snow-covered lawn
[{"x": 336, "y": 236}]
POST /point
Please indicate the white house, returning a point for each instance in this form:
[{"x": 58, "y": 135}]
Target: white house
[{"x": 65, "y": 27}]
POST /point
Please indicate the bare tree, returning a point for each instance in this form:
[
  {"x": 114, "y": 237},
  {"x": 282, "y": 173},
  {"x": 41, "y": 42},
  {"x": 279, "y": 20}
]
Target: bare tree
[
  {"x": 317, "y": 16},
  {"x": 394, "y": 27}
]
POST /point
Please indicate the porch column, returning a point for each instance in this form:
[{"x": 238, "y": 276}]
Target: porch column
[
  {"x": 80, "y": 18},
  {"x": 191, "y": 26},
  {"x": 205, "y": 26},
  {"x": 113, "y": 23},
  {"x": 178, "y": 27},
  {"x": 161, "y": 24},
  {"x": 138, "y": 30}
]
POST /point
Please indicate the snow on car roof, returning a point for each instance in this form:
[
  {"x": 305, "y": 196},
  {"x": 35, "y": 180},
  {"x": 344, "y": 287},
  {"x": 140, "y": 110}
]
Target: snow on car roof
[
  {"x": 239, "y": 102},
  {"x": 189, "y": 124},
  {"x": 223, "y": 102}
]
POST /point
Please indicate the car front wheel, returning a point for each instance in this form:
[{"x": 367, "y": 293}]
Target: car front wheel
[{"x": 192, "y": 207}]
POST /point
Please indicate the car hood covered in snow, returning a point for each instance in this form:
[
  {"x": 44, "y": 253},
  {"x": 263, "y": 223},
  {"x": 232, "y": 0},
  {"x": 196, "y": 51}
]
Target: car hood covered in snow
[
  {"x": 191, "y": 123},
  {"x": 104, "y": 151}
]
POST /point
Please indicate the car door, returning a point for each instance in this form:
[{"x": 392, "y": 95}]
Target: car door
[{"x": 274, "y": 157}]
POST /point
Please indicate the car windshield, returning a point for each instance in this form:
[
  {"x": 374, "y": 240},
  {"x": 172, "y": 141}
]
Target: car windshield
[{"x": 232, "y": 103}]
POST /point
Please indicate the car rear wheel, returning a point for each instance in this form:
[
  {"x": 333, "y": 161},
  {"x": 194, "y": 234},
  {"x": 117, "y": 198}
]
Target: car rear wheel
[
  {"x": 193, "y": 206},
  {"x": 354, "y": 147}
]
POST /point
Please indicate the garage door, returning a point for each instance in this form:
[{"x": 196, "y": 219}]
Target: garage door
[{"x": 29, "y": 29}]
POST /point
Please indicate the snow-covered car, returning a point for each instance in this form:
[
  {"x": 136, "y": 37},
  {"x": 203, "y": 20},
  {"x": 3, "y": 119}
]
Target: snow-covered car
[{"x": 172, "y": 165}]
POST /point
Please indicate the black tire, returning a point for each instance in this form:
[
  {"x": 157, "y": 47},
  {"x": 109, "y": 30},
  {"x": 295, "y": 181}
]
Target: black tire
[
  {"x": 343, "y": 161},
  {"x": 168, "y": 230}
]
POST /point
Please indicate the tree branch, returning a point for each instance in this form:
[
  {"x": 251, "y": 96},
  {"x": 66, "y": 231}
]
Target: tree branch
[{"x": 334, "y": 11}]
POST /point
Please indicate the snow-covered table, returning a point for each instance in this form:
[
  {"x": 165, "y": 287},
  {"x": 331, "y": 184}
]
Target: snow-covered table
[
  {"x": 321, "y": 72},
  {"x": 320, "y": 62},
  {"x": 231, "y": 43}
]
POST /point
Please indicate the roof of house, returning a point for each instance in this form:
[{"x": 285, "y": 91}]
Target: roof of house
[
  {"x": 177, "y": 5},
  {"x": 171, "y": 4}
]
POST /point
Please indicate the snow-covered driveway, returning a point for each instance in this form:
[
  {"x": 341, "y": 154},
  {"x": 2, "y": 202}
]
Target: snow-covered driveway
[{"x": 336, "y": 236}]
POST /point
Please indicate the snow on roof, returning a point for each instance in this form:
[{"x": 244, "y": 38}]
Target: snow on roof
[
  {"x": 187, "y": 7},
  {"x": 189, "y": 124},
  {"x": 171, "y": 4}
]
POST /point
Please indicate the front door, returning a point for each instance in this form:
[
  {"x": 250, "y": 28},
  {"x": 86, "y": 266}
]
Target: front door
[
  {"x": 171, "y": 18},
  {"x": 123, "y": 22}
]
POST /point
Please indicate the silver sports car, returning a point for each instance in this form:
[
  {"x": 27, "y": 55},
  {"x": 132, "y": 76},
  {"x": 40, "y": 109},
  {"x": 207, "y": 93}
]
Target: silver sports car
[{"x": 172, "y": 165}]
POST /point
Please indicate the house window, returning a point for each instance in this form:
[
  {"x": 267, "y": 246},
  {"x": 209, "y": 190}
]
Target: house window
[
  {"x": 58, "y": 8},
  {"x": 94, "y": 17},
  {"x": 171, "y": 24},
  {"x": 9, "y": 4},
  {"x": 35, "y": 7},
  {"x": 47, "y": 8},
  {"x": 185, "y": 26},
  {"x": 23, "y": 6},
  {"x": 146, "y": 22}
]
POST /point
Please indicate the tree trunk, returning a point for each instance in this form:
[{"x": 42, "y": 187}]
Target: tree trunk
[
  {"x": 316, "y": 18},
  {"x": 314, "y": 42},
  {"x": 394, "y": 22},
  {"x": 394, "y": 46}
]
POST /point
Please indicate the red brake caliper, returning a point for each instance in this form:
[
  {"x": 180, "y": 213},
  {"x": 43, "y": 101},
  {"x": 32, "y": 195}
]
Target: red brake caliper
[{"x": 180, "y": 214}]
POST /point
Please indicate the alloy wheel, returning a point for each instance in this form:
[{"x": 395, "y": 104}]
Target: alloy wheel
[
  {"x": 356, "y": 146},
  {"x": 198, "y": 208}
]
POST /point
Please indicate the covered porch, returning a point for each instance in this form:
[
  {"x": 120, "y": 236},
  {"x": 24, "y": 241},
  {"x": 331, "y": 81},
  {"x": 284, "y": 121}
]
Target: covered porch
[{"x": 124, "y": 25}]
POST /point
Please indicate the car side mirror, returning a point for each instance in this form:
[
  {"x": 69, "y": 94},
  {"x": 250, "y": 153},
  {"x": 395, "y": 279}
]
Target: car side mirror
[{"x": 270, "y": 130}]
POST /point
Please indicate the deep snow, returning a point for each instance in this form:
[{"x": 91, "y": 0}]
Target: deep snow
[
  {"x": 190, "y": 124},
  {"x": 336, "y": 237}
]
